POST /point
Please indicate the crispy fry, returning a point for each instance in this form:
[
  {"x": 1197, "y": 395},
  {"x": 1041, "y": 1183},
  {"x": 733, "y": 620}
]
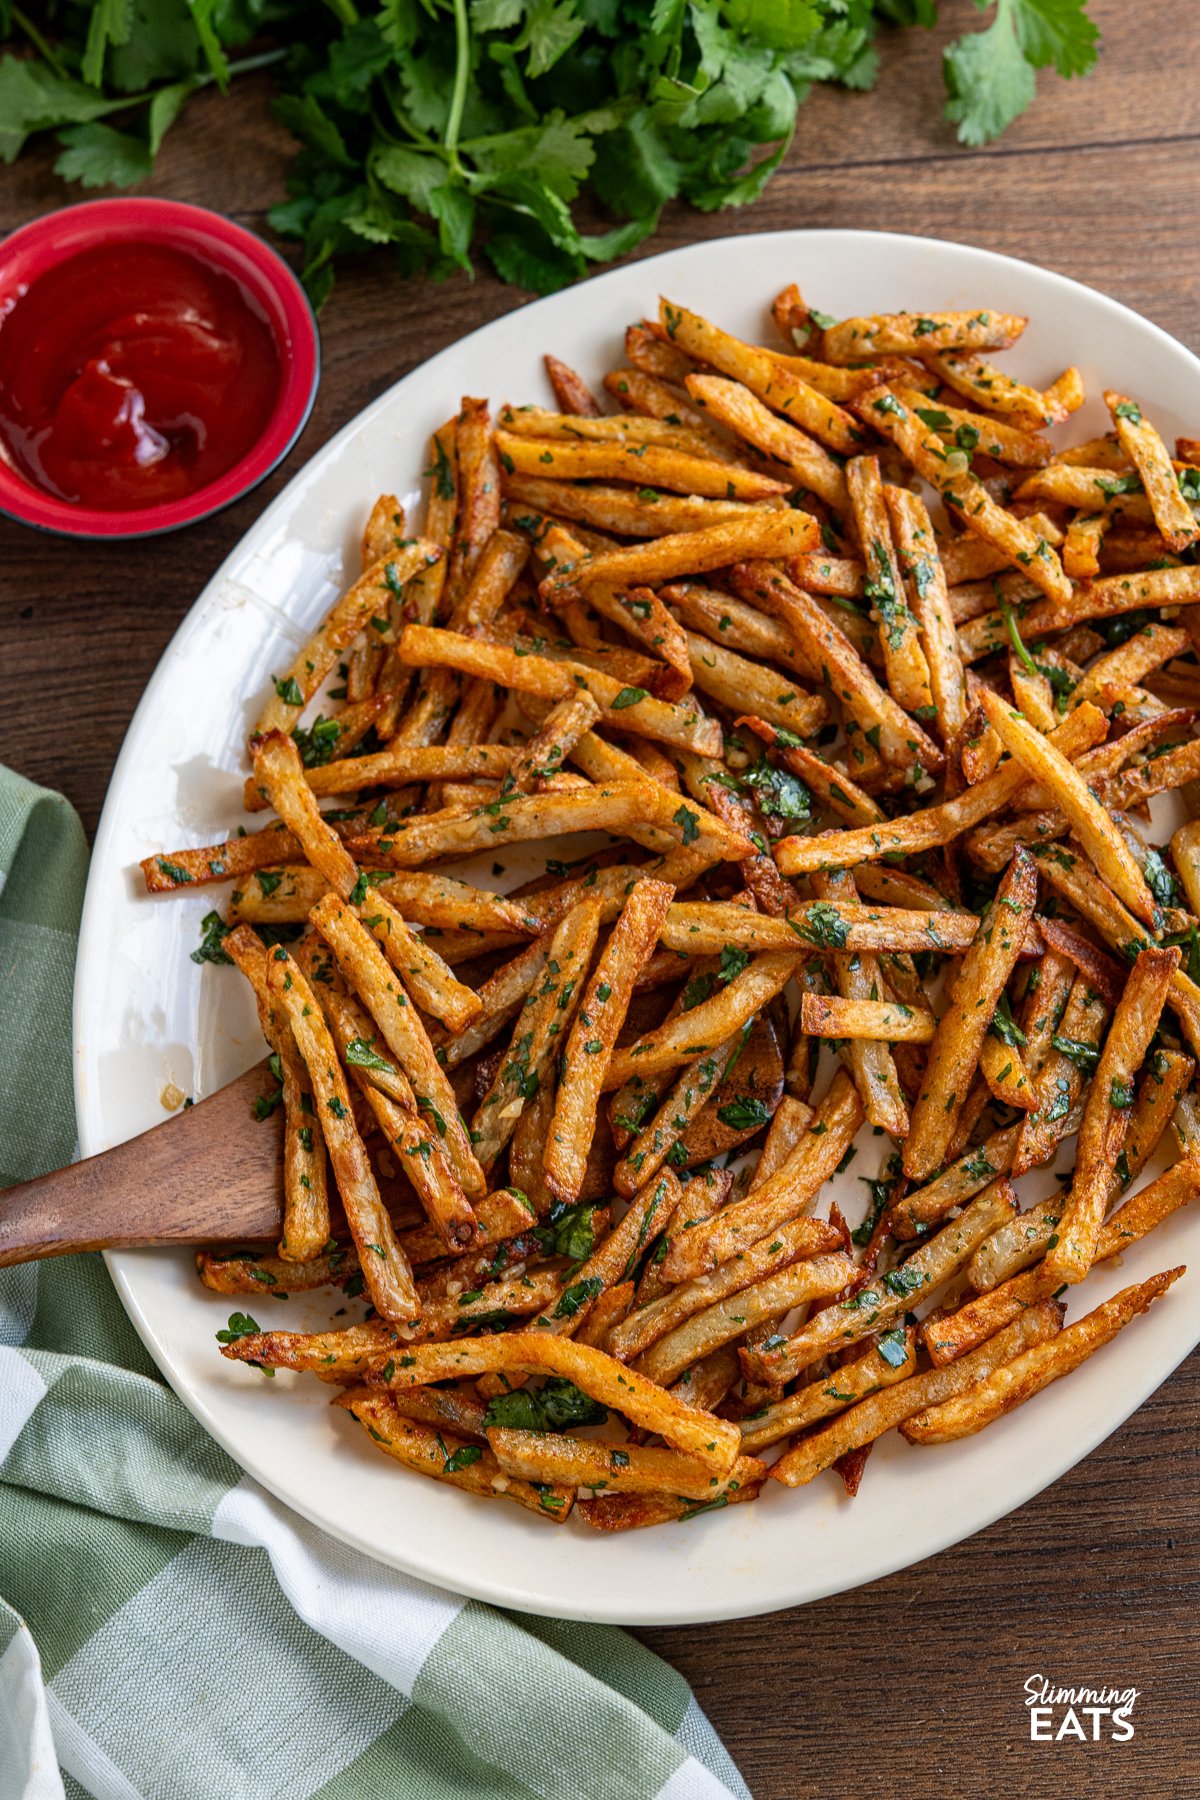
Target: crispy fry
[
  {"x": 694, "y": 1033},
  {"x": 766, "y": 376},
  {"x": 367, "y": 598},
  {"x": 807, "y": 462},
  {"x": 1108, "y": 1111},
  {"x": 384, "y": 1265},
  {"x": 920, "y": 334},
  {"x": 1150, "y": 457},
  {"x": 305, "y": 1194},
  {"x": 784, "y": 1195},
  {"x": 1012, "y": 1383},
  {"x": 448, "y": 1458},
  {"x": 936, "y": 825},
  {"x": 813, "y": 1278},
  {"x": 653, "y": 464},
  {"x": 895, "y": 1359},
  {"x": 604, "y": 1466},
  {"x": 542, "y": 1022},
  {"x": 714, "y": 1441},
  {"x": 974, "y": 994},
  {"x": 904, "y": 659},
  {"x": 690, "y": 553},
  {"x": 926, "y": 582},
  {"x": 870, "y": 1418},
  {"x": 886, "y": 1020},
  {"x": 628, "y": 708},
  {"x": 368, "y": 973},
  {"x": 878, "y": 1304},
  {"x": 901, "y": 742},
  {"x": 589, "y": 1048}
]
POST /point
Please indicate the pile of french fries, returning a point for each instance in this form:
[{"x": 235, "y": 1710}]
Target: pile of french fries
[{"x": 858, "y": 688}]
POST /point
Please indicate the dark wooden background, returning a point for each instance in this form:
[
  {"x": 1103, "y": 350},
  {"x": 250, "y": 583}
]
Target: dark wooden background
[{"x": 916, "y": 1683}]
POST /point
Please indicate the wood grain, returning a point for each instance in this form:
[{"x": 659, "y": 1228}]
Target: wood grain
[
  {"x": 916, "y": 1682},
  {"x": 212, "y": 1174}
]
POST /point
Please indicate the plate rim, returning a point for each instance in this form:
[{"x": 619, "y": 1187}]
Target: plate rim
[{"x": 510, "y": 1592}]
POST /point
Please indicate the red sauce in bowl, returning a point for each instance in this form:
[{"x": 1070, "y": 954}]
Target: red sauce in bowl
[{"x": 133, "y": 375}]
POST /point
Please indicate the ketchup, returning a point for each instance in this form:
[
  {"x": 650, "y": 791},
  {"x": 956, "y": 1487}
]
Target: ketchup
[{"x": 133, "y": 374}]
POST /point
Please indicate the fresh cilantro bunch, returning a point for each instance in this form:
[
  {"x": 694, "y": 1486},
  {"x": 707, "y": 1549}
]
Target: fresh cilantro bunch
[{"x": 548, "y": 134}]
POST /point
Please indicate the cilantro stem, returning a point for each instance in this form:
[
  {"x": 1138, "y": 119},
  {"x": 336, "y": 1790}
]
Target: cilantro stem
[
  {"x": 39, "y": 43},
  {"x": 1014, "y": 636},
  {"x": 462, "y": 72},
  {"x": 344, "y": 11}
]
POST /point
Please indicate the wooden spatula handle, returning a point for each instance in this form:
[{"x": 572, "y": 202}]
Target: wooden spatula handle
[{"x": 209, "y": 1175}]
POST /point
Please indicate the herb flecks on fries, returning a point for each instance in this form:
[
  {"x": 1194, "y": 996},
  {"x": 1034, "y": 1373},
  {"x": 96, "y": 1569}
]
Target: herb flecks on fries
[{"x": 848, "y": 686}]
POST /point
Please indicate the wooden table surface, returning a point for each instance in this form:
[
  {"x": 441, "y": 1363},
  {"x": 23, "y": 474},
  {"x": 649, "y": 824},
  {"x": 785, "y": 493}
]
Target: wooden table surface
[{"x": 915, "y": 1683}]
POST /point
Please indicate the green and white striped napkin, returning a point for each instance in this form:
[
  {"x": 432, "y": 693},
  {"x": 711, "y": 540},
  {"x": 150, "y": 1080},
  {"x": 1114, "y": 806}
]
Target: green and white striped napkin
[{"x": 168, "y": 1631}]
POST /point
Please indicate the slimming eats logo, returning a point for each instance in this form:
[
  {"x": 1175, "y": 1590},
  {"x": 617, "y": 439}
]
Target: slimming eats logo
[{"x": 1089, "y": 1714}]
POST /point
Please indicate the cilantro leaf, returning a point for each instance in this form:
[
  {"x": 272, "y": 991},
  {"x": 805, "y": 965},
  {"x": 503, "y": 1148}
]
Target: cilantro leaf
[{"x": 990, "y": 74}]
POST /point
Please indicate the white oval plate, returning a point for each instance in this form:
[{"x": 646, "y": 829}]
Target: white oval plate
[{"x": 146, "y": 1015}]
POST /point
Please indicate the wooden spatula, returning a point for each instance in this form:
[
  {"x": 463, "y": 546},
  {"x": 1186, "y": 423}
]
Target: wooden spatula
[{"x": 210, "y": 1175}]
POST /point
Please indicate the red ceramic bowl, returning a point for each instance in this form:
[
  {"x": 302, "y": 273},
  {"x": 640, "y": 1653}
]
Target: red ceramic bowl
[{"x": 266, "y": 278}]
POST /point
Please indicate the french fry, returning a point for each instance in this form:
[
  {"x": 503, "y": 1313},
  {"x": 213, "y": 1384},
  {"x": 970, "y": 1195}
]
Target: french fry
[
  {"x": 880, "y": 1302},
  {"x": 570, "y": 389},
  {"x": 919, "y": 334},
  {"x": 616, "y": 807},
  {"x": 903, "y": 657},
  {"x": 249, "y": 1273},
  {"x": 693, "y": 1033},
  {"x": 627, "y": 512},
  {"x": 901, "y": 741},
  {"x": 407, "y": 1126},
  {"x": 1091, "y": 824},
  {"x": 542, "y": 1022},
  {"x": 444, "y": 1457},
  {"x": 1016, "y": 1245},
  {"x": 813, "y": 1278},
  {"x": 258, "y": 850},
  {"x": 714, "y": 1441},
  {"x": 1012, "y": 1383},
  {"x": 935, "y": 825},
  {"x": 790, "y": 1242},
  {"x": 1108, "y": 1111},
  {"x": 766, "y": 376},
  {"x": 742, "y": 412},
  {"x": 858, "y": 977},
  {"x": 760, "y": 533},
  {"x": 970, "y": 431},
  {"x": 887, "y": 1021},
  {"x": 653, "y": 465},
  {"x": 630, "y": 1512},
  {"x": 478, "y": 481},
  {"x": 974, "y": 994},
  {"x": 926, "y": 581},
  {"x": 783, "y": 1196},
  {"x": 384, "y": 1265},
  {"x": 345, "y": 1352},
  {"x": 995, "y": 392},
  {"x": 628, "y": 708},
  {"x": 382, "y": 992},
  {"x": 736, "y": 682},
  {"x": 870, "y": 1418},
  {"x": 884, "y": 1365},
  {"x": 964, "y": 493},
  {"x": 1071, "y": 876},
  {"x": 305, "y": 1195},
  {"x": 367, "y": 598},
  {"x": 603, "y": 1466},
  {"x": 589, "y": 1048},
  {"x": 1150, "y": 457},
  {"x": 683, "y": 1102},
  {"x": 723, "y": 619}
]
